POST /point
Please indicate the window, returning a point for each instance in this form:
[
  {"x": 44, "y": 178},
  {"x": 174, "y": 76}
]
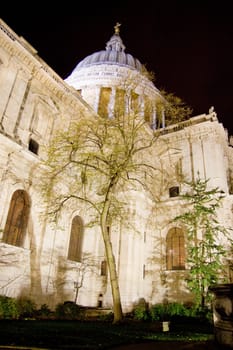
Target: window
[
  {"x": 76, "y": 239},
  {"x": 174, "y": 191},
  {"x": 17, "y": 219},
  {"x": 134, "y": 102},
  {"x": 103, "y": 269},
  {"x": 33, "y": 146},
  {"x": 104, "y": 100},
  {"x": 175, "y": 249}
]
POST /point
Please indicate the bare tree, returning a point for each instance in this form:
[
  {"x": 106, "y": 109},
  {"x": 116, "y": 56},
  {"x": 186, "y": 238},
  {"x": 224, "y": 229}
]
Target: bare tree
[
  {"x": 174, "y": 107},
  {"x": 88, "y": 265},
  {"x": 100, "y": 159}
]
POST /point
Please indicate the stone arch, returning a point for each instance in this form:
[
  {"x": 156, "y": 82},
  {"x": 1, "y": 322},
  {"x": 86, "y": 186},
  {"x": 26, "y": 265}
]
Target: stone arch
[
  {"x": 175, "y": 249},
  {"x": 17, "y": 219},
  {"x": 76, "y": 239}
]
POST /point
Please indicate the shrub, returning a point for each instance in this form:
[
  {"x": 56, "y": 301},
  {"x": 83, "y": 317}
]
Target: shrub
[
  {"x": 168, "y": 311},
  {"x": 159, "y": 312},
  {"x": 8, "y": 308},
  {"x": 106, "y": 317},
  {"x": 140, "y": 311},
  {"x": 44, "y": 312},
  {"x": 67, "y": 311},
  {"x": 26, "y": 307}
]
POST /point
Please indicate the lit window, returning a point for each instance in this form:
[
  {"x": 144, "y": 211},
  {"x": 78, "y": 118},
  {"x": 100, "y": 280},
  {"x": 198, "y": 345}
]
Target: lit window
[
  {"x": 76, "y": 240},
  {"x": 175, "y": 249},
  {"x": 103, "y": 269},
  {"x": 17, "y": 219},
  {"x": 104, "y": 100}
]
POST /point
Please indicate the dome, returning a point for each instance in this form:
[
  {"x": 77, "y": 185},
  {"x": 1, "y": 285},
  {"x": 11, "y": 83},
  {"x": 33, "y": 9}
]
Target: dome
[
  {"x": 106, "y": 78},
  {"x": 113, "y": 54},
  {"x": 110, "y": 57}
]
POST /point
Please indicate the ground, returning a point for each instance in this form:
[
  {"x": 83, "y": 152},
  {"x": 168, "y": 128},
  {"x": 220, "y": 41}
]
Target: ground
[{"x": 169, "y": 345}]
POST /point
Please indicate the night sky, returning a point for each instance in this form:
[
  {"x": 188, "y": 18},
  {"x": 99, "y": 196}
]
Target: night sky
[{"x": 187, "y": 44}]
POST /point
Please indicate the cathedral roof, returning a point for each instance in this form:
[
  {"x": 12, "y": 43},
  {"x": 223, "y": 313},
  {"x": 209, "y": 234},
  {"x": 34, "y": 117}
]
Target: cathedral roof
[{"x": 114, "y": 53}]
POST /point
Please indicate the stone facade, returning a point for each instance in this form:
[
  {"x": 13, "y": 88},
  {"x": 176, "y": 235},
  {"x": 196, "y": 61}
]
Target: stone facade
[{"x": 35, "y": 256}]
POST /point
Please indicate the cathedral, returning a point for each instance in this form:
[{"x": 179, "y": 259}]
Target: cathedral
[{"x": 45, "y": 262}]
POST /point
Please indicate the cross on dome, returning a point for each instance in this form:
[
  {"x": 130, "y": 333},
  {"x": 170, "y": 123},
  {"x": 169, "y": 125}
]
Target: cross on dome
[
  {"x": 115, "y": 43},
  {"x": 117, "y": 28}
]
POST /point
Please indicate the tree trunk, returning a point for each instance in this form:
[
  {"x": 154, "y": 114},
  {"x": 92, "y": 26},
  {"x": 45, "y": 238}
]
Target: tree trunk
[{"x": 117, "y": 308}]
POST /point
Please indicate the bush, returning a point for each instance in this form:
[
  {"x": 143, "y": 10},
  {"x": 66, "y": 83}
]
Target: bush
[
  {"x": 44, "y": 312},
  {"x": 67, "y": 311},
  {"x": 157, "y": 312},
  {"x": 140, "y": 311},
  {"x": 106, "y": 317},
  {"x": 168, "y": 311},
  {"x": 26, "y": 307},
  {"x": 8, "y": 308}
]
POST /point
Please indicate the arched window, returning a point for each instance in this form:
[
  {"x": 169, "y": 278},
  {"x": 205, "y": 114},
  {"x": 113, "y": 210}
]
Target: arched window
[
  {"x": 76, "y": 239},
  {"x": 17, "y": 219},
  {"x": 103, "y": 268},
  {"x": 175, "y": 249}
]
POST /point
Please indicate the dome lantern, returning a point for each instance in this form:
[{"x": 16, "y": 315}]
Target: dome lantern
[
  {"x": 113, "y": 54},
  {"x": 115, "y": 43}
]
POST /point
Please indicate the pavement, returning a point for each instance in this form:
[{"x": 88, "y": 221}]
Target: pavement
[
  {"x": 170, "y": 345},
  {"x": 155, "y": 345},
  {"x": 20, "y": 348}
]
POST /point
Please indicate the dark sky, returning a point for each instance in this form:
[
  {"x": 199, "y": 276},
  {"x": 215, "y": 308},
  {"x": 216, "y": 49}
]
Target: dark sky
[{"x": 187, "y": 44}]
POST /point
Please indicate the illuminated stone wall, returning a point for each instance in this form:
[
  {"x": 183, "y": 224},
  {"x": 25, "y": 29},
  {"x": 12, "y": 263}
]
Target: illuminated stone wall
[{"x": 34, "y": 103}]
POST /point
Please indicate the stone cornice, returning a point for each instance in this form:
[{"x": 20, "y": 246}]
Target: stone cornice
[
  {"x": 20, "y": 49},
  {"x": 199, "y": 126},
  {"x": 107, "y": 74}
]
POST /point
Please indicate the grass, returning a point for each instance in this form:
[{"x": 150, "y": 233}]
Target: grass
[{"x": 94, "y": 334}]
